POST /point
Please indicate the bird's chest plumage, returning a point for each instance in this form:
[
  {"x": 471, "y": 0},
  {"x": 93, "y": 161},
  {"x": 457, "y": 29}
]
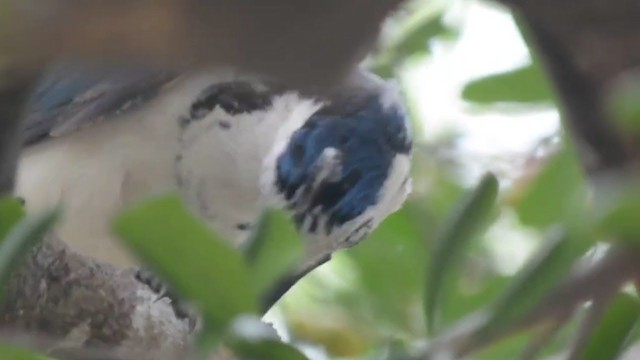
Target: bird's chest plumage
[
  {"x": 218, "y": 166},
  {"x": 212, "y": 157}
]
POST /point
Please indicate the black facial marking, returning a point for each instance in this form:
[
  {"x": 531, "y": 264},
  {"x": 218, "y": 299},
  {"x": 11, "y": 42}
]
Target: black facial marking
[
  {"x": 224, "y": 124},
  {"x": 297, "y": 152},
  {"x": 233, "y": 97},
  {"x": 298, "y": 219},
  {"x": 360, "y": 232},
  {"x": 314, "y": 224},
  {"x": 243, "y": 226}
]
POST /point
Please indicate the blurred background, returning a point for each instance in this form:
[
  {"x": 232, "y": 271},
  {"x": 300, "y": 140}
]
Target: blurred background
[{"x": 478, "y": 103}]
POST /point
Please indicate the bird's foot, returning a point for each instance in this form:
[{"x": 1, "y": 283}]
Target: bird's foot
[{"x": 180, "y": 308}]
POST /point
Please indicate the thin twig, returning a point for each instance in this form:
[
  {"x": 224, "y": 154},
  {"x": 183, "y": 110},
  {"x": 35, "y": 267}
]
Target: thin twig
[
  {"x": 594, "y": 315},
  {"x": 601, "y": 279},
  {"x": 545, "y": 334}
]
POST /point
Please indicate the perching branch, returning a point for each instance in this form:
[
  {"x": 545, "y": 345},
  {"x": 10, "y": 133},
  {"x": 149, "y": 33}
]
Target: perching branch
[{"x": 84, "y": 303}]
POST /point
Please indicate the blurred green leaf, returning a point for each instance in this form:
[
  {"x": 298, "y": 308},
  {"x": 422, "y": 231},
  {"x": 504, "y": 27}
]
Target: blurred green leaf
[
  {"x": 527, "y": 84},
  {"x": 253, "y": 339},
  {"x": 11, "y": 211},
  {"x": 195, "y": 262},
  {"x": 21, "y": 239},
  {"x": 517, "y": 342},
  {"x": 10, "y": 352},
  {"x": 541, "y": 274},
  {"x": 396, "y": 350},
  {"x": 558, "y": 193},
  {"x": 267, "y": 350},
  {"x": 275, "y": 248},
  {"x": 623, "y": 103},
  {"x": 618, "y": 322},
  {"x": 465, "y": 224},
  {"x": 390, "y": 265},
  {"x": 466, "y": 301},
  {"x": 504, "y": 349},
  {"x": 620, "y": 219},
  {"x": 412, "y": 39}
]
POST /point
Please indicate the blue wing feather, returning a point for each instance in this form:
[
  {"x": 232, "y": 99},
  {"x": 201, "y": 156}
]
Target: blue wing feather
[{"x": 71, "y": 95}]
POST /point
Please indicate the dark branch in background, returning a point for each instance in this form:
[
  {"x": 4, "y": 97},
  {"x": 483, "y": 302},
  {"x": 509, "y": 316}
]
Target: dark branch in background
[
  {"x": 305, "y": 42},
  {"x": 586, "y": 46},
  {"x": 12, "y": 100},
  {"x": 598, "y": 281},
  {"x": 581, "y": 101}
]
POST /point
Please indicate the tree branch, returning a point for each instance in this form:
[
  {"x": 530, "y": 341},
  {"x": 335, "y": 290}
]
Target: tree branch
[
  {"x": 90, "y": 304},
  {"x": 586, "y": 47},
  {"x": 600, "y": 280}
]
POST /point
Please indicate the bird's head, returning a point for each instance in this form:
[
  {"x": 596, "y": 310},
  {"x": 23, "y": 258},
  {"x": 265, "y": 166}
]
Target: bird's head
[{"x": 345, "y": 168}]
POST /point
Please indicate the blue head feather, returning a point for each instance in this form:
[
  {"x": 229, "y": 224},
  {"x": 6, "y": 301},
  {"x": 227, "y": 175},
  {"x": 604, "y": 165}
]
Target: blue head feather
[{"x": 367, "y": 134}]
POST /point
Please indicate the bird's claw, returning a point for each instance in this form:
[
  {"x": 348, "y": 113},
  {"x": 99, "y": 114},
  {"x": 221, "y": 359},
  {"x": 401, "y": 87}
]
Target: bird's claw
[{"x": 180, "y": 309}]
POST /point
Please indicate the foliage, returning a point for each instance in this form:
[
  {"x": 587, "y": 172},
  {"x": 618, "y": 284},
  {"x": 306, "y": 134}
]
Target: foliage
[{"x": 522, "y": 85}]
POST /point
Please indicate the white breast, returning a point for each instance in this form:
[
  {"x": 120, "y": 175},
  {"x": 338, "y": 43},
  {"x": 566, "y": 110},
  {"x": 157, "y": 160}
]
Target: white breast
[{"x": 97, "y": 171}]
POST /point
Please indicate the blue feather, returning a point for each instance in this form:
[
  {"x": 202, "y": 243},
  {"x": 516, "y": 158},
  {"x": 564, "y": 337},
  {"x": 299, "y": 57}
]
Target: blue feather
[
  {"x": 73, "y": 93},
  {"x": 369, "y": 137}
]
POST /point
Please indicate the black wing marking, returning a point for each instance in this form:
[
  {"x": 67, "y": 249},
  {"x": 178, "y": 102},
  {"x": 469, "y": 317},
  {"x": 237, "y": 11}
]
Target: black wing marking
[{"x": 72, "y": 95}]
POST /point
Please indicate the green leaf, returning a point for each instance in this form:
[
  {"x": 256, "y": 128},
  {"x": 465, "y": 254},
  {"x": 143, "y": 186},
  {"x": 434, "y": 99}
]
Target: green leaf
[
  {"x": 465, "y": 224},
  {"x": 620, "y": 219},
  {"x": 21, "y": 240},
  {"x": 11, "y": 211},
  {"x": 547, "y": 268},
  {"x": 275, "y": 248},
  {"x": 557, "y": 195},
  {"x": 253, "y": 339},
  {"x": 622, "y": 103},
  {"x": 616, "y": 206},
  {"x": 10, "y": 352},
  {"x": 608, "y": 339},
  {"x": 391, "y": 266},
  {"x": 527, "y": 84},
  {"x": 196, "y": 263},
  {"x": 267, "y": 350},
  {"x": 412, "y": 39}
]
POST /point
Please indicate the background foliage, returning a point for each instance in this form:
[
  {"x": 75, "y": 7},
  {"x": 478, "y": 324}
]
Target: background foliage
[{"x": 466, "y": 249}]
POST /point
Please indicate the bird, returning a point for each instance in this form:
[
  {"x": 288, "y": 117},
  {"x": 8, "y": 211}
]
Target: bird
[{"x": 99, "y": 137}]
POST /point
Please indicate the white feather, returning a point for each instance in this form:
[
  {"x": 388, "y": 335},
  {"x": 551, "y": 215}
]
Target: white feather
[{"x": 97, "y": 171}]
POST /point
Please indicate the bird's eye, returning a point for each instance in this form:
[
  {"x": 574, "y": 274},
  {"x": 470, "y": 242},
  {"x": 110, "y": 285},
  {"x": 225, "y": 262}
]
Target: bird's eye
[
  {"x": 343, "y": 139},
  {"x": 297, "y": 153}
]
